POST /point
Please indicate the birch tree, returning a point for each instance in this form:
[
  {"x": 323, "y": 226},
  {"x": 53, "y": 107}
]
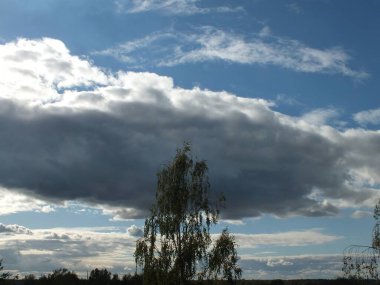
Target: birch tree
[{"x": 176, "y": 241}]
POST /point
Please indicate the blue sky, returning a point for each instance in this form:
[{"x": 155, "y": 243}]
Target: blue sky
[{"x": 280, "y": 98}]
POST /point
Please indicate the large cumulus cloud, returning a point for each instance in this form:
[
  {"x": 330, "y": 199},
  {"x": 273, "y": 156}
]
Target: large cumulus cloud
[{"x": 71, "y": 130}]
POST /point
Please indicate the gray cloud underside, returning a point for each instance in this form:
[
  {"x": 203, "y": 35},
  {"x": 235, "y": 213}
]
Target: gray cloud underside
[
  {"x": 14, "y": 229},
  {"x": 105, "y": 145}
]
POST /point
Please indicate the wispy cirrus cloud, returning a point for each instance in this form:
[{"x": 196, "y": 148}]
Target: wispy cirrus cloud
[
  {"x": 182, "y": 7},
  {"x": 294, "y": 8},
  {"x": 211, "y": 44}
]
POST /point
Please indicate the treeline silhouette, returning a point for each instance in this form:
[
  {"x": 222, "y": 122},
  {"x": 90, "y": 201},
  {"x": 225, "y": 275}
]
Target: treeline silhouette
[
  {"x": 103, "y": 276},
  {"x": 63, "y": 276}
]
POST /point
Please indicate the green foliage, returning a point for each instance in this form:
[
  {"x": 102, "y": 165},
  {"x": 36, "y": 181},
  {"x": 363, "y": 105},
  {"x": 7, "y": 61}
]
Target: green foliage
[
  {"x": 223, "y": 259},
  {"x": 174, "y": 248}
]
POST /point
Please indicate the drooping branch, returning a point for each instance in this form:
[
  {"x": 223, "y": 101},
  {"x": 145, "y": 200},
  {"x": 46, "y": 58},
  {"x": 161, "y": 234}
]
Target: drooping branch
[{"x": 360, "y": 261}]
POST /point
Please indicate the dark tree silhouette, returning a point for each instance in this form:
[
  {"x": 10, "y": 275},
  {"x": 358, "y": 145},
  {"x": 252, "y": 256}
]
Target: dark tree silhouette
[
  {"x": 174, "y": 248},
  {"x": 63, "y": 276},
  {"x": 360, "y": 261},
  {"x": 3, "y": 275},
  {"x": 115, "y": 279},
  {"x": 30, "y": 279},
  {"x": 223, "y": 259},
  {"x": 129, "y": 279},
  {"x": 100, "y": 277}
]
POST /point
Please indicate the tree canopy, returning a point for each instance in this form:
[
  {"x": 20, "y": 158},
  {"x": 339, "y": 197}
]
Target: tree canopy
[
  {"x": 361, "y": 261},
  {"x": 176, "y": 241},
  {"x": 100, "y": 276}
]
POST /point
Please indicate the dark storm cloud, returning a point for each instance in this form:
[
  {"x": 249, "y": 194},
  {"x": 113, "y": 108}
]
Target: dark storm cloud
[{"x": 106, "y": 145}]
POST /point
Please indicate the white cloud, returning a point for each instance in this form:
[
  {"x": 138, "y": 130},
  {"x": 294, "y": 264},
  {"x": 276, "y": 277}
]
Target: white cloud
[
  {"x": 40, "y": 251},
  {"x": 320, "y": 116},
  {"x": 265, "y": 32},
  {"x": 58, "y": 70},
  {"x": 120, "y": 213},
  {"x": 358, "y": 214},
  {"x": 294, "y": 8},
  {"x": 12, "y": 202},
  {"x": 135, "y": 231},
  {"x": 278, "y": 262},
  {"x": 291, "y": 238},
  {"x": 71, "y": 131},
  {"x": 79, "y": 249},
  {"x": 288, "y": 100},
  {"x": 210, "y": 44},
  {"x": 14, "y": 229},
  {"x": 184, "y": 7},
  {"x": 368, "y": 117},
  {"x": 307, "y": 266},
  {"x": 125, "y": 51},
  {"x": 234, "y": 222}
]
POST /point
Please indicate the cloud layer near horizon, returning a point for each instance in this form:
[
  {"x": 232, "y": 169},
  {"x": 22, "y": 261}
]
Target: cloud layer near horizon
[
  {"x": 71, "y": 131},
  {"x": 40, "y": 251}
]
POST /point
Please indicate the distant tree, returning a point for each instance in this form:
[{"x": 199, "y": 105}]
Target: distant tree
[
  {"x": 30, "y": 279},
  {"x": 115, "y": 279},
  {"x": 100, "y": 276},
  {"x": 3, "y": 275},
  {"x": 174, "y": 248},
  {"x": 129, "y": 279},
  {"x": 223, "y": 259},
  {"x": 360, "y": 261},
  {"x": 43, "y": 280},
  {"x": 126, "y": 278},
  {"x": 63, "y": 276}
]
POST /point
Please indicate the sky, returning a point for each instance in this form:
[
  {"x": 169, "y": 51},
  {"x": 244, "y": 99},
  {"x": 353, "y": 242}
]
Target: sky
[{"x": 281, "y": 98}]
